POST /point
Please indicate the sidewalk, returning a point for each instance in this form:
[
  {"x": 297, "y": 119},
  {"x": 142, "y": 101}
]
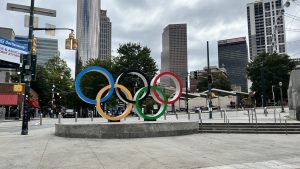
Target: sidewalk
[{"x": 42, "y": 150}]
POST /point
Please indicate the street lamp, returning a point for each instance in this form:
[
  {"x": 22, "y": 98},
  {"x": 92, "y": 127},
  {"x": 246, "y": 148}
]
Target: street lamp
[
  {"x": 273, "y": 94},
  {"x": 282, "y": 109}
]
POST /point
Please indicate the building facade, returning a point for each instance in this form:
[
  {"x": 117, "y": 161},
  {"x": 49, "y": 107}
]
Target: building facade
[
  {"x": 105, "y": 36},
  {"x": 266, "y": 27},
  {"x": 46, "y": 48},
  {"x": 201, "y": 75},
  {"x": 174, "y": 52},
  {"x": 297, "y": 61},
  {"x": 233, "y": 56},
  {"x": 88, "y": 31},
  {"x": 7, "y": 33}
]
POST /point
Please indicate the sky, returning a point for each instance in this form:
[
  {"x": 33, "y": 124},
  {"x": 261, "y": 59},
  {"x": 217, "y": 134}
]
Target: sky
[{"x": 143, "y": 21}]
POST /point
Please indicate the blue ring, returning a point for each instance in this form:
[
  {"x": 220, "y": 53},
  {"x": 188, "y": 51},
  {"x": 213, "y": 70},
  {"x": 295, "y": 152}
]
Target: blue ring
[{"x": 103, "y": 72}]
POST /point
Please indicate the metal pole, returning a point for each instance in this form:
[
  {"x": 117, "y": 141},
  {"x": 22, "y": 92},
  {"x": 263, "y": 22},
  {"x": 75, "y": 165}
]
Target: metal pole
[
  {"x": 59, "y": 118},
  {"x": 76, "y": 116},
  {"x": 186, "y": 92},
  {"x": 165, "y": 116},
  {"x": 282, "y": 109},
  {"x": 41, "y": 119},
  {"x": 92, "y": 117},
  {"x": 273, "y": 95},
  {"x": 209, "y": 83},
  {"x": 28, "y": 73},
  {"x": 275, "y": 115}
]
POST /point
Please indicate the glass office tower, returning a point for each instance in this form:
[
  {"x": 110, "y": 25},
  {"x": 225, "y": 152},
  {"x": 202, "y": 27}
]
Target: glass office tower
[{"x": 88, "y": 31}]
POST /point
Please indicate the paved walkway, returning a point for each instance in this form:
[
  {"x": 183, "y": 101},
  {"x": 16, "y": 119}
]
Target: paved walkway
[{"x": 41, "y": 149}]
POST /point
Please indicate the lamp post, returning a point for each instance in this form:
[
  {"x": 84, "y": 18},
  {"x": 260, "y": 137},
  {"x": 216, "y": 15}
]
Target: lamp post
[
  {"x": 209, "y": 83},
  {"x": 273, "y": 95},
  {"x": 282, "y": 109}
]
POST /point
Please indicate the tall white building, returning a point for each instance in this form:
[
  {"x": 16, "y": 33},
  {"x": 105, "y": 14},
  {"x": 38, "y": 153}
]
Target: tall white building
[
  {"x": 88, "y": 31},
  {"x": 266, "y": 27}
]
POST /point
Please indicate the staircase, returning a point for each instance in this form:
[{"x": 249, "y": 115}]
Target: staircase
[{"x": 250, "y": 128}]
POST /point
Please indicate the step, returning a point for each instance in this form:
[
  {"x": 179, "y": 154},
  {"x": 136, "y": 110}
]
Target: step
[
  {"x": 250, "y": 129},
  {"x": 251, "y": 126},
  {"x": 249, "y": 132}
]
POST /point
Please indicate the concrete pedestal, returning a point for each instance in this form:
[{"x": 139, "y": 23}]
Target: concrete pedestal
[{"x": 126, "y": 130}]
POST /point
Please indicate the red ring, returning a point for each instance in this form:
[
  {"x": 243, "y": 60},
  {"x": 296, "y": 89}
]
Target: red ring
[{"x": 180, "y": 85}]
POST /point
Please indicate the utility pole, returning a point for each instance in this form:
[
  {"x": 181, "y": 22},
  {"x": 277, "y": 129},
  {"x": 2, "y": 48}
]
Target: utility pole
[
  {"x": 209, "y": 80},
  {"x": 28, "y": 73}
]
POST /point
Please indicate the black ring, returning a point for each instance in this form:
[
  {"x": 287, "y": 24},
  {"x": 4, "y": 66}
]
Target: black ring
[{"x": 121, "y": 77}]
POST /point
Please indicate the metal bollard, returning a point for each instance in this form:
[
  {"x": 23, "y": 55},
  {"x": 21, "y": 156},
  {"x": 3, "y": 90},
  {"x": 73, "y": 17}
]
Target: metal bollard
[
  {"x": 41, "y": 119},
  {"x": 59, "y": 118},
  {"x": 221, "y": 111},
  {"x": 139, "y": 118},
  {"x": 275, "y": 115},
  {"x": 92, "y": 117},
  {"x": 286, "y": 131},
  {"x": 76, "y": 117},
  {"x": 165, "y": 116},
  {"x": 249, "y": 116},
  {"x": 189, "y": 116},
  {"x": 176, "y": 115}
]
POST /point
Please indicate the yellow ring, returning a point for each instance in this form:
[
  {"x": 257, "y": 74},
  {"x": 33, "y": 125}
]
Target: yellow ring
[{"x": 124, "y": 114}]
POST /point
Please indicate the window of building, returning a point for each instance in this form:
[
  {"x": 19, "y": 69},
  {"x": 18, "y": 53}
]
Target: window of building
[
  {"x": 267, "y": 6},
  {"x": 281, "y": 48},
  {"x": 281, "y": 38}
]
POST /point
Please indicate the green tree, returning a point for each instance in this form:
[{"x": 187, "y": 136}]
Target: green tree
[
  {"x": 220, "y": 81},
  {"x": 267, "y": 70},
  {"x": 54, "y": 72},
  {"x": 133, "y": 56}
]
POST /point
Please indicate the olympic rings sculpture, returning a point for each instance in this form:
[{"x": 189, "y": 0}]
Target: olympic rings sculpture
[{"x": 132, "y": 101}]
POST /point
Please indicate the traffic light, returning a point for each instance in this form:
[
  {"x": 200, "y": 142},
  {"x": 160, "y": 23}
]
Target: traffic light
[
  {"x": 34, "y": 45},
  {"x": 68, "y": 44},
  {"x": 71, "y": 42},
  {"x": 195, "y": 74},
  {"x": 74, "y": 44}
]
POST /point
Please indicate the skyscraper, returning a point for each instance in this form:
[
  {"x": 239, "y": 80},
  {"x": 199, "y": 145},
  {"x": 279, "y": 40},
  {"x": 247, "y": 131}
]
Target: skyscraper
[
  {"x": 105, "y": 36},
  {"x": 46, "y": 48},
  {"x": 174, "y": 52},
  {"x": 266, "y": 28},
  {"x": 233, "y": 56},
  {"x": 88, "y": 31}
]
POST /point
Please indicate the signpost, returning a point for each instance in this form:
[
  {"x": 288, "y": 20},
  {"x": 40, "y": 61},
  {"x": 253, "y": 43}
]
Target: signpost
[{"x": 28, "y": 66}]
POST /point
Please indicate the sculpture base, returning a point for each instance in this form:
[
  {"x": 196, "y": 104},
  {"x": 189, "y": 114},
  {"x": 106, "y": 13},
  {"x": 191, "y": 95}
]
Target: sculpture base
[{"x": 126, "y": 130}]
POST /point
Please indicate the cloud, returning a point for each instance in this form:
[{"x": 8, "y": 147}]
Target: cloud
[{"x": 143, "y": 21}]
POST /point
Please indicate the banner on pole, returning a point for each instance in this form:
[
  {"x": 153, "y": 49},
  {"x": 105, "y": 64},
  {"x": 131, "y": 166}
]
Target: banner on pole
[{"x": 10, "y": 51}]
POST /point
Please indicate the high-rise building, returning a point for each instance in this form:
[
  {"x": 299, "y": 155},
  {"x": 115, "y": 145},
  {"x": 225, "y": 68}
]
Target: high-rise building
[
  {"x": 233, "y": 56},
  {"x": 88, "y": 31},
  {"x": 266, "y": 28},
  {"x": 105, "y": 36},
  {"x": 46, "y": 47},
  {"x": 174, "y": 52}
]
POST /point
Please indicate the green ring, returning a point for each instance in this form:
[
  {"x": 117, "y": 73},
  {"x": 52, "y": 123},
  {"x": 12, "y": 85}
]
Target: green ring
[{"x": 138, "y": 108}]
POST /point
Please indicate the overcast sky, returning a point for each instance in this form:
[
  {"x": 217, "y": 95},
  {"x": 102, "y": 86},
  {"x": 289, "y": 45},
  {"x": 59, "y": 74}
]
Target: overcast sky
[{"x": 143, "y": 21}]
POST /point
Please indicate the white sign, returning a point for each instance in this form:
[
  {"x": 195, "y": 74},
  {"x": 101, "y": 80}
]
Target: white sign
[
  {"x": 35, "y": 21},
  {"x": 10, "y": 51},
  {"x": 48, "y": 32}
]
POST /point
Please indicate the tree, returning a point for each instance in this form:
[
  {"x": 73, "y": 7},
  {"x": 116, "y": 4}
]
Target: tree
[
  {"x": 133, "y": 56},
  {"x": 54, "y": 72},
  {"x": 220, "y": 81},
  {"x": 267, "y": 70},
  {"x": 92, "y": 82}
]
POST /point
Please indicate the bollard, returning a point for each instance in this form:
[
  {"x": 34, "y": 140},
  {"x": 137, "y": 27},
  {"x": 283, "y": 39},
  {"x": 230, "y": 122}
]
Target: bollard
[
  {"x": 139, "y": 118},
  {"x": 286, "y": 132},
  {"x": 92, "y": 117},
  {"x": 41, "y": 119},
  {"x": 76, "y": 117},
  {"x": 189, "y": 115},
  {"x": 165, "y": 116},
  {"x": 176, "y": 115},
  {"x": 275, "y": 115},
  {"x": 249, "y": 116},
  {"x": 59, "y": 118},
  {"x": 221, "y": 111}
]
